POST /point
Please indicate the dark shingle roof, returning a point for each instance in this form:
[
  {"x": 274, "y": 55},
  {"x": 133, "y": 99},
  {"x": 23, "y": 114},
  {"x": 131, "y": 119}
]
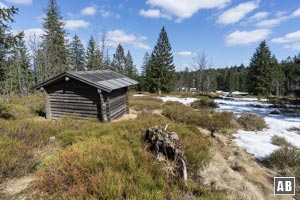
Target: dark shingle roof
[{"x": 102, "y": 79}]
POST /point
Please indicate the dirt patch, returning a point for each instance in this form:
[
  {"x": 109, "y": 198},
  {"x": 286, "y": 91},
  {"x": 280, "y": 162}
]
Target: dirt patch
[
  {"x": 15, "y": 186},
  {"x": 237, "y": 173}
]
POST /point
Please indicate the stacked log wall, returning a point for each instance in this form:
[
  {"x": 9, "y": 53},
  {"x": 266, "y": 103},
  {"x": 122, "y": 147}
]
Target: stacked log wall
[{"x": 72, "y": 97}]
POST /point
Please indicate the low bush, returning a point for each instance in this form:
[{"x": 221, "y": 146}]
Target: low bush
[
  {"x": 145, "y": 103},
  {"x": 204, "y": 103},
  {"x": 181, "y": 113},
  {"x": 14, "y": 111},
  {"x": 252, "y": 122},
  {"x": 221, "y": 121},
  {"x": 224, "y": 121},
  {"x": 114, "y": 165},
  {"x": 287, "y": 161},
  {"x": 280, "y": 141}
]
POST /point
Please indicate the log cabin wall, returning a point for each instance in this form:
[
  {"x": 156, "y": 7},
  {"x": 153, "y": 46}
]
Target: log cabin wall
[
  {"x": 116, "y": 103},
  {"x": 72, "y": 97}
]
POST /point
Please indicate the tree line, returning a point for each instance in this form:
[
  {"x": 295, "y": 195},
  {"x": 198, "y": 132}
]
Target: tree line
[
  {"x": 264, "y": 76},
  {"x": 22, "y": 66}
]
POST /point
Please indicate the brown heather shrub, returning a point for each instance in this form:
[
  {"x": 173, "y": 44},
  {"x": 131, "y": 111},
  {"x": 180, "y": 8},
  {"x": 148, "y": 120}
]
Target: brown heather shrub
[
  {"x": 145, "y": 103},
  {"x": 287, "y": 161},
  {"x": 181, "y": 113},
  {"x": 185, "y": 114},
  {"x": 116, "y": 166},
  {"x": 252, "y": 122},
  {"x": 204, "y": 103},
  {"x": 224, "y": 121}
]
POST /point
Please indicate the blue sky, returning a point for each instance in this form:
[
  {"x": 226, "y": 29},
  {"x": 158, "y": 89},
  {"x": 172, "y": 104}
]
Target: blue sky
[{"x": 228, "y": 31}]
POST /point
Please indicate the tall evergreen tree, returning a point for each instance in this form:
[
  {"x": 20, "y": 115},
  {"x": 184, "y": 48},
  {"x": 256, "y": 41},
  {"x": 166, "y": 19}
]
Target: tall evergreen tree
[
  {"x": 119, "y": 60},
  {"x": 77, "y": 55},
  {"x": 260, "y": 76},
  {"x": 162, "y": 69},
  {"x": 7, "y": 39},
  {"x": 145, "y": 65},
  {"x": 19, "y": 74},
  {"x": 93, "y": 55},
  {"x": 130, "y": 70},
  {"x": 54, "y": 45}
]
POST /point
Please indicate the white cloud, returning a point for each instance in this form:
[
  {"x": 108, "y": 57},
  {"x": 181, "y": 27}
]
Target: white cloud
[
  {"x": 89, "y": 11},
  {"x": 33, "y": 32},
  {"x": 269, "y": 22},
  {"x": 235, "y": 14},
  {"x": 280, "y": 17},
  {"x": 259, "y": 16},
  {"x": 76, "y": 24},
  {"x": 19, "y": 1},
  {"x": 290, "y": 37},
  {"x": 2, "y": 5},
  {"x": 186, "y": 53},
  {"x": 295, "y": 46},
  {"x": 106, "y": 13},
  {"x": 296, "y": 13},
  {"x": 154, "y": 13},
  {"x": 185, "y": 9},
  {"x": 246, "y": 37},
  {"x": 120, "y": 37}
]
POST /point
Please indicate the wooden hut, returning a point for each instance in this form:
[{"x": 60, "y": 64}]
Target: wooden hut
[{"x": 101, "y": 94}]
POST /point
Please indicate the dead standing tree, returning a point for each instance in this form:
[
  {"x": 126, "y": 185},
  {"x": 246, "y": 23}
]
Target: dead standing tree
[{"x": 201, "y": 64}]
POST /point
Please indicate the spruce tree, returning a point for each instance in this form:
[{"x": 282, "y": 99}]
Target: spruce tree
[
  {"x": 130, "y": 69},
  {"x": 93, "y": 55},
  {"x": 260, "y": 75},
  {"x": 119, "y": 60},
  {"x": 77, "y": 55},
  {"x": 19, "y": 79},
  {"x": 7, "y": 40},
  {"x": 54, "y": 45},
  {"x": 162, "y": 69},
  {"x": 143, "y": 79}
]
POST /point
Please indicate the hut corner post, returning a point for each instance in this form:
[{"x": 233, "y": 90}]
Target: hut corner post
[
  {"x": 103, "y": 107},
  {"x": 127, "y": 101},
  {"x": 47, "y": 104}
]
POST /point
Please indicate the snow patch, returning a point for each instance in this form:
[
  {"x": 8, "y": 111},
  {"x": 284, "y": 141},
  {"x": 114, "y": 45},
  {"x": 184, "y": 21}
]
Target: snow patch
[
  {"x": 185, "y": 101},
  {"x": 259, "y": 143}
]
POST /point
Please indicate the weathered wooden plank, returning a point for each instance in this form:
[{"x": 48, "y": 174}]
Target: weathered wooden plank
[
  {"x": 75, "y": 107},
  {"x": 58, "y": 116},
  {"x": 77, "y": 103},
  {"x": 63, "y": 96},
  {"x": 118, "y": 113},
  {"x": 73, "y": 100},
  {"x": 72, "y": 111}
]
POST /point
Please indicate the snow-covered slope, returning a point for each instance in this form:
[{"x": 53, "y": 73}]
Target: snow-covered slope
[{"x": 259, "y": 142}]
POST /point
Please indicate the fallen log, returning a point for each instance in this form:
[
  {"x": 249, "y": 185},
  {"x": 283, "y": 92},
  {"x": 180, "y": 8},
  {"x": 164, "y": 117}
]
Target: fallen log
[{"x": 162, "y": 142}]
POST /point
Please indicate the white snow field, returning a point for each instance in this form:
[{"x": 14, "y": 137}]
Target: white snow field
[
  {"x": 185, "y": 101},
  {"x": 258, "y": 143}
]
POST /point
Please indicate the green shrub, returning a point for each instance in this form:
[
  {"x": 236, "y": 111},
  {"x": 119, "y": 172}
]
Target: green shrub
[
  {"x": 4, "y": 112},
  {"x": 204, "y": 103},
  {"x": 252, "y": 122},
  {"x": 280, "y": 141}
]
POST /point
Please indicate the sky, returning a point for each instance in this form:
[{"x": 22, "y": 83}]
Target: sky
[{"x": 227, "y": 31}]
